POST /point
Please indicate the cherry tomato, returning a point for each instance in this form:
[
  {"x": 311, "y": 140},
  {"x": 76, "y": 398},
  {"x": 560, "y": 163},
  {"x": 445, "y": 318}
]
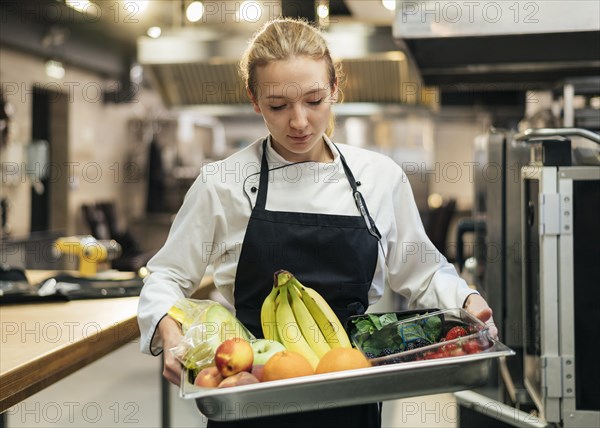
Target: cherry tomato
[{"x": 471, "y": 347}]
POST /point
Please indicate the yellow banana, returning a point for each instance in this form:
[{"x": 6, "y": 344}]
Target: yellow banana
[
  {"x": 310, "y": 330},
  {"x": 268, "y": 321},
  {"x": 328, "y": 322},
  {"x": 289, "y": 331},
  {"x": 281, "y": 277}
]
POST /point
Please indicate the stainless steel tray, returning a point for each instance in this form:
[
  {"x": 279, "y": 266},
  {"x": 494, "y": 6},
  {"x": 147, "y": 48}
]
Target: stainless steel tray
[{"x": 345, "y": 388}]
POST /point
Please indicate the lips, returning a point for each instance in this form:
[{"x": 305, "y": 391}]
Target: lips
[{"x": 300, "y": 138}]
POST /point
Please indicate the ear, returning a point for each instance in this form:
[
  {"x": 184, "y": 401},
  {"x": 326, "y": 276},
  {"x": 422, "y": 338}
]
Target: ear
[
  {"x": 253, "y": 100},
  {"x": 334, "y": 92}
]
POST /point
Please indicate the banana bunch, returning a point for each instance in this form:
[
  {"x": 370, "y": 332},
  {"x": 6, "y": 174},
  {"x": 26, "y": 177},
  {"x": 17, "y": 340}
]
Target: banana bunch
[{"x": 298, "y": 317}]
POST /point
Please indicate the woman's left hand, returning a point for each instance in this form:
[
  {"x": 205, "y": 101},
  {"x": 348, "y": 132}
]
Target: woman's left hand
[{"x": 478, "y": 307}]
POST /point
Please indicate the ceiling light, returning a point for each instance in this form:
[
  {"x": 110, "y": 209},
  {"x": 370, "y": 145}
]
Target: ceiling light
[
  {"x": 389, "y": 4},
  {"x": 435, "y": 200},
  {"x": 78, "y": 5},
  {"x": 154, "y": 32},
  {"x": 55, "y": 69},
  {"x": 323, "y": 11},
  {"x": 194, "y": 11}
]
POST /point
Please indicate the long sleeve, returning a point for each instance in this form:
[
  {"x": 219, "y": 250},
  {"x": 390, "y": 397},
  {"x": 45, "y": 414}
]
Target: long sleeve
[
  {"x": 177, "y": 269},
  {"x": 416, "y": 269}
]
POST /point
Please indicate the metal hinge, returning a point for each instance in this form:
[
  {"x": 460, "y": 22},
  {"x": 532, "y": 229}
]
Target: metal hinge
[
  {"x": 568, "y": 374},
  {"x": 549, "y": 214},
  {"x": 552, "y": 376},
  {"x": 566, "y": 214}
]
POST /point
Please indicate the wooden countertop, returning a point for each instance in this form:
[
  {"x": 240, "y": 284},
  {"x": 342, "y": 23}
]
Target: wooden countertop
[{"x": 44, "y": 342}]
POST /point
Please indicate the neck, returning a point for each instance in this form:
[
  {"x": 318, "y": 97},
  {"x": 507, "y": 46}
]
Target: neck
[{"x": 325, "y": 156}]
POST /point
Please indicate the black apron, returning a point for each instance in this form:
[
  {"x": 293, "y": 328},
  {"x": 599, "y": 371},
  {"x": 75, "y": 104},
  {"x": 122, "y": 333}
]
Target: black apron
[{"x": 334, "y": 254}]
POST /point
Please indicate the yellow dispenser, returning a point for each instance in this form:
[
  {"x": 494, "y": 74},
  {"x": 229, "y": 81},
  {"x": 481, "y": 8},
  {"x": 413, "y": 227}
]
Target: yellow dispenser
[{"x": 90, "y": 251}]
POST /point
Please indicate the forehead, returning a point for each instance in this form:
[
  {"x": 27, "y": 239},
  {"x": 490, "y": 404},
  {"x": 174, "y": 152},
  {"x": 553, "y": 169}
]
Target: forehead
[{"x": 292, "y": 77}]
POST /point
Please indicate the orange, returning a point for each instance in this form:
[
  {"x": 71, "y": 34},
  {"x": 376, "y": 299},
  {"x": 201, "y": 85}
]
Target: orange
[
  {"x": 339, "y": 359},
  {"x": 285, "y": 365}
]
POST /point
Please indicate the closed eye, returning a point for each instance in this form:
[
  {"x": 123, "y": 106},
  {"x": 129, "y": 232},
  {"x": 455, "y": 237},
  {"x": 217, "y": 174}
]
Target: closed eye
[
  {"x": 316, "y": 103},
  {"x": 275, "y": 108}
]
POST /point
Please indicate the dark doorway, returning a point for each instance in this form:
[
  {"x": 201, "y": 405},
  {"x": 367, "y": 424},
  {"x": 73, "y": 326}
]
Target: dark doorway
[{"x": 49, "y": 121}]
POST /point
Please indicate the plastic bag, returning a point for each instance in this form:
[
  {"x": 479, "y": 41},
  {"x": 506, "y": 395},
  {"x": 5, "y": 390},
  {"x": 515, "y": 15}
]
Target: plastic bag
[{"x": 205, "y": 325}]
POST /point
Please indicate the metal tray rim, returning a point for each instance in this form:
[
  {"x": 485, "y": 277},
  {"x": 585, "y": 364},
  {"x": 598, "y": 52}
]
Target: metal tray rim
[{"x": 498, "y": 349}]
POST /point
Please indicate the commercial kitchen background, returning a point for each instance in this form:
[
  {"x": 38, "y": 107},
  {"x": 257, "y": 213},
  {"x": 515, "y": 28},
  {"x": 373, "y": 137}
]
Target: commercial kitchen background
[{"x": 111, "y": 100}]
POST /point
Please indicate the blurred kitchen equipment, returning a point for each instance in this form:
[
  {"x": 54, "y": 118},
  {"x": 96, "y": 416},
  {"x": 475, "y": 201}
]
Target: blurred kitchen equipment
[
  {"x": 536, "y": 269},
  {"x": 437, "y": 224},
  {"x": 464, "y": 226},
  {"x": 4, "y": 229},
  {"x": 89, "y": 250},
  {"x": 497, "y": 228},
  {"x": 38, "y": 158},
  {"x": 103, "y": 223},
  {"x": 560, "y": 235}
]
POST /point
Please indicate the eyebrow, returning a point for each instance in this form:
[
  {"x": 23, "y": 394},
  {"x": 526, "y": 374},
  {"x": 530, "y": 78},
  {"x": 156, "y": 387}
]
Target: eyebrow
[{"x": 312, "y": 91}]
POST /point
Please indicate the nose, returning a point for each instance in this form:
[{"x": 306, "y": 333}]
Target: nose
[{"x": 298, "y": 119}]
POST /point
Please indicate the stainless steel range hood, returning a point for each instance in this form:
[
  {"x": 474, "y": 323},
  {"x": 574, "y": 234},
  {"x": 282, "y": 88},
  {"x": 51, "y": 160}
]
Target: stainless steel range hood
[
  {"x": 500, "y": 43},
  {"x": 193, "y": 67}
]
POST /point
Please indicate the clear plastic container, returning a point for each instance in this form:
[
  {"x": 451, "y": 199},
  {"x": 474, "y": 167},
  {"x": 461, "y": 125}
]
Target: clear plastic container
[{"x": 418, "y": 335}]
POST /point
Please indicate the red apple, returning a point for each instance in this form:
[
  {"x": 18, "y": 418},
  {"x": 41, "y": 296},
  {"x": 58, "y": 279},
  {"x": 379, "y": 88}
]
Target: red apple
[
  {"x": 208, "y": 377},
  {"x": 234, "y": 356},
  {"x": 238, "y": 379}
]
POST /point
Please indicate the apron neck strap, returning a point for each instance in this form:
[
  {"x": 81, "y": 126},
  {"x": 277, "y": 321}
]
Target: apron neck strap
[
  {"x": 358, "y": 198},
  {"x": 263, "y": 184},
  {"x": 261, "y": 197},
  {"x": 347, "y": 170}
]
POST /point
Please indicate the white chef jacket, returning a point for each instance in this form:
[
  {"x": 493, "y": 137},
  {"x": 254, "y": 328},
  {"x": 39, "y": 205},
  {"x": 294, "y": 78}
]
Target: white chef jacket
[{"x": 210, "y": 227}]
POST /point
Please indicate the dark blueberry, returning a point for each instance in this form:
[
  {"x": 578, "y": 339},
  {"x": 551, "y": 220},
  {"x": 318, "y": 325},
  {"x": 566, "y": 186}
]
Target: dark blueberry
[
  {"x": 388, "y": 351},
  {"x": 406, "y": 358},
  {"x": 418, "y": 343}
]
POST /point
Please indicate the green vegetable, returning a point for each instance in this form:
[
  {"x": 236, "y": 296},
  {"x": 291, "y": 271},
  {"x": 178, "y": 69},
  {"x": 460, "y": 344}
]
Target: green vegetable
[
  {"x": 410, "y": 332},
  {"x": 379, "y": 335},
  {"x": 388, "y": 319},
  {"x": 433, "y": 328},
  {"x": 366, "y": 335}
]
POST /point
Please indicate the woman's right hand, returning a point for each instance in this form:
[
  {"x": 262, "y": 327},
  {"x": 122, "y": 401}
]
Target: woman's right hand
[{"x": 170, "y": 333}]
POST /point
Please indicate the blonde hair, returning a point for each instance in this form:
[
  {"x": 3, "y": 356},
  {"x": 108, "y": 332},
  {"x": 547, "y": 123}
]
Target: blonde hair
[{"x": 286, "y": 38}]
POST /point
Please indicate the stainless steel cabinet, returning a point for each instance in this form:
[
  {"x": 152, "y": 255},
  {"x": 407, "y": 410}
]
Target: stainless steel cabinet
[{"x": 561, "y": 232}]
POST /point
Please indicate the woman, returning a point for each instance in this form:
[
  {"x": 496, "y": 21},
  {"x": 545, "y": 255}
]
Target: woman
[{"x": 340, "y": 218}]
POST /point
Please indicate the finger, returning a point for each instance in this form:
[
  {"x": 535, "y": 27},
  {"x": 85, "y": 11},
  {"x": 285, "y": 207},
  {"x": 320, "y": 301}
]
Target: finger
[
  {"x": 478, "y": 307},
  {"x": 483, "y": 314},
  {"x": 172, "y": 376},
  {"x": 172, "y": 370},
  {"x": 492, "y": 330}
]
